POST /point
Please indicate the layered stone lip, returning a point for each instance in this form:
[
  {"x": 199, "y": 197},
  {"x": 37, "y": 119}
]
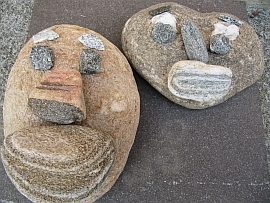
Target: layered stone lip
[
  {"x": 203, "y": 83},
  {"x": 69, "y": 166},
  {"x": 59, "y": 97}
]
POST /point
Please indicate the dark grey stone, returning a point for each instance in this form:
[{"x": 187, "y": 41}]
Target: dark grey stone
[
  {"x": 220, "y": 44},
  {"x": 193, "y": 41},
  {"x": 163, "y": 33},
  {"x": 54, "y": 111},
  {"x": 89, "y": 62},
  {"x": 41, "y": 57},
  {"x": 160, "y": 10},
  {"x": 229, "y": 19}
]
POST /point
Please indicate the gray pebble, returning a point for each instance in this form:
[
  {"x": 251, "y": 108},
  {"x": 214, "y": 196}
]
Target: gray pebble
[
  {"x": 89, "y": 62},
  {"x": 193, "y": 41},
  {"x": 231, "y": 20},
  {"x": 220, "y": 44},
  {"x": 160, "y": 10},
  {"x": 55, "y": 111},
  {"x": 41, "y": 57},
  {"x": 163, "y": 33}
]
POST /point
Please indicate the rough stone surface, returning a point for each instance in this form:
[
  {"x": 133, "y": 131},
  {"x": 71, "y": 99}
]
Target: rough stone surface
[
  {"x": 163, "y": 33},
  {"x": 153, "y": 61},
  {"x": 220, "y": 44},
  {"x": 45, "y": 35},
  {"x": 48, "y": 158},
  {"x": 91, "y": 41},
  {"x": 89, "y": 62},
  {"x": 193, "y": 41},
  {"x": 112, "y": 108},
  {"x": 41, "y": 57},
  {"x": 199, "y": 82}
]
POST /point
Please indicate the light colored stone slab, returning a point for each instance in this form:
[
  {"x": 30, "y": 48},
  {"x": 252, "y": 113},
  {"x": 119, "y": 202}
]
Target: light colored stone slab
[{"x": 199, "y": 82}]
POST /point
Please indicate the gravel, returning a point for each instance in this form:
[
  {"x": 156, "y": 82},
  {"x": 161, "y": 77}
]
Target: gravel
[{"x": 259, "y": 19}]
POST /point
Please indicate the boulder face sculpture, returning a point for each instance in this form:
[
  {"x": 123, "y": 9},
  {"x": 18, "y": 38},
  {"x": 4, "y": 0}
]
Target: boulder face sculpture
[
  {"x": 196, "y": 60},
  {"x": 71, "y": 112}
]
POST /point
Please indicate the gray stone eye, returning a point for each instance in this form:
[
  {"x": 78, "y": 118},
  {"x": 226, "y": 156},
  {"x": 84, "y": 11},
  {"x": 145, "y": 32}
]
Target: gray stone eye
[
  {"x": 41, "y": 57},
  {"x": 89, "y": 62}
]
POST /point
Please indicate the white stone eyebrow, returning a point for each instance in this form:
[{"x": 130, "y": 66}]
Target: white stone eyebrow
[
  {"x": 165, "y": 18},
  {"x": 91, "y": 41},
  {"x": 44, "y": 36}
]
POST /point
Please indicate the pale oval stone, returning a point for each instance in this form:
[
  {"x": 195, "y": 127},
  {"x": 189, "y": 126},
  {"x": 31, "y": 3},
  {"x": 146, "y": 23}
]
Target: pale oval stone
[
  {"x": 49, "y": 157},
  {"x": 196, "y": 81}
]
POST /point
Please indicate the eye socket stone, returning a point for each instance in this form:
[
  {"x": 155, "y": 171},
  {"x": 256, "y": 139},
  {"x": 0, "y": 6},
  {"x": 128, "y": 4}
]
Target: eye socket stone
[
  {"x": 89, "y": 62},
  {"x": 41, "y": 57}
]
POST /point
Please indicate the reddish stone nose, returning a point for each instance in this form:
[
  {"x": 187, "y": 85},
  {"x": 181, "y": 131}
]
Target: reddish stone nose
[{"x": 59, "y": 98}]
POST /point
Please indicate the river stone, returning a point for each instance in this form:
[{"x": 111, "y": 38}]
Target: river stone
[
  {"x": 163, "y": 33},
  {"x": 220, "y": 44},
  {"x": 193, "y": 41},
  {"x": 153, "y": 61},
  {"x": 112, "y": 106},
  {"x": 199, "y": 82}
]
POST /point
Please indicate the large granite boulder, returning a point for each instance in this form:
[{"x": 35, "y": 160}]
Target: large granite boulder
[
  {"x": 71, "y": 112},
  {"x": 154, "y": 53}
]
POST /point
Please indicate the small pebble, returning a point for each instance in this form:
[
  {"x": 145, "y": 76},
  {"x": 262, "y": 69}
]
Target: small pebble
[
  {"x": 220, "y": 44},
  {"x": 45, "y": 35},
  {"x": 41, "y": 57},
  {"x": 91, "y": 41},
  {"x": 231, "y": 20},
  {"x": 163, "y": 33},
  {"x": 160, "y": 10},
  {"x": 89, "y": 62}
]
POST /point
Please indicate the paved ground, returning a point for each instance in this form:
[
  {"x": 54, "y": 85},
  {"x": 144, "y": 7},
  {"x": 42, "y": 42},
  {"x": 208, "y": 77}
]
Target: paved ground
[{"x": 14, "y": 21}]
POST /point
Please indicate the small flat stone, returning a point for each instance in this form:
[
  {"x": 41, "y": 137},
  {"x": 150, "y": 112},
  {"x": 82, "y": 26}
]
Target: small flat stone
[
  {"x": 41, "y": 57},
  {"x": 193, "y": 41},
  {"x": 91, "y": 41},
  {"x": 199, "y": 82},
  {"x": 45, "y": 35},
  {"x": 165, "y": 18},
  {"x": 220, "y": 44},
  {"x": 160, "y": 10},
  {"x": 163, "y": 33},
  {"x": 231, "y": 20},
  {"x": 89, "y": 62}
]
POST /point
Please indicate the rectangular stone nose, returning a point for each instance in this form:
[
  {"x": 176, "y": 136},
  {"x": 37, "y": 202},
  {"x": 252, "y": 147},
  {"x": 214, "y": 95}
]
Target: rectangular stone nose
[{"x": 59, "y": 97}]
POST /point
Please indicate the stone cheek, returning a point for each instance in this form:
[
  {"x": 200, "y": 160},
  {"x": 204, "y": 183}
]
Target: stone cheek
[
  {"x": 163, "y": 33},
  {"x": 220, "y": 44},
  {"x": 199, "y": 82},
  {"x": 193, "y": 41}
]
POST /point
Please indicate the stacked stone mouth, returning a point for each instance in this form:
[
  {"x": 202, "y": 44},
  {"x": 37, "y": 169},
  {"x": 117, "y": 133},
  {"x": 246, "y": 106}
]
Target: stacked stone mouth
[{"x": 52, "y": 175}]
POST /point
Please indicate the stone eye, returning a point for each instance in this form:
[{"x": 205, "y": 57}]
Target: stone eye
[
  {"x": 89, "y": 62},
  {"x": 41, "y": 57}
]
